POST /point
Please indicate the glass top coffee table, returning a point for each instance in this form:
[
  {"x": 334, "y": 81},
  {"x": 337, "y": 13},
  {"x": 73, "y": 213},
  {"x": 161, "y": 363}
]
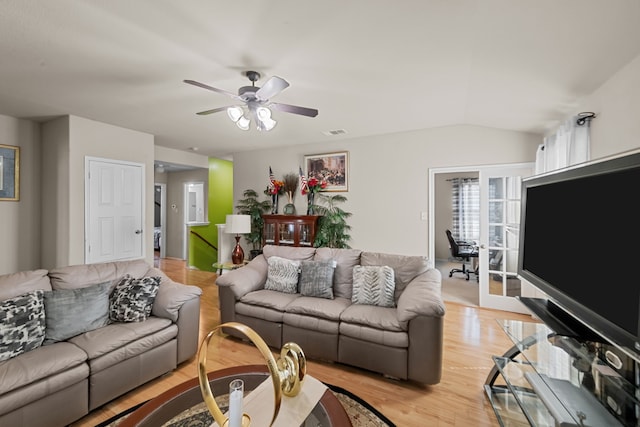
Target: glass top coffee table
[{"x": 328, "y": 412}]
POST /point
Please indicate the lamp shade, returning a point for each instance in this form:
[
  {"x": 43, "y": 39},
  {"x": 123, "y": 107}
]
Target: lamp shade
[{"x": 238, "y": 224}]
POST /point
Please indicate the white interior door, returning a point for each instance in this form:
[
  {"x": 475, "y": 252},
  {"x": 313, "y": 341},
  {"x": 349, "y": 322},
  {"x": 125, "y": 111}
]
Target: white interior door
[
  {"x": 114, "y": 210},
  {"x": 500, "y": 189}
]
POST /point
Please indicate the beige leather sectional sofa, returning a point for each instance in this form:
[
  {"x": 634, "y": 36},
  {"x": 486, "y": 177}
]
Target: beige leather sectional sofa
[
  {"x": 57, "y": 383},
  {"x": 403, "y": 340}
]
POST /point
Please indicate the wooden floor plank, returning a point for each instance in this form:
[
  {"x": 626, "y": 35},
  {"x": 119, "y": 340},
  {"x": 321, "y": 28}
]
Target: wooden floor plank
[{"x": 471, "y": 337}]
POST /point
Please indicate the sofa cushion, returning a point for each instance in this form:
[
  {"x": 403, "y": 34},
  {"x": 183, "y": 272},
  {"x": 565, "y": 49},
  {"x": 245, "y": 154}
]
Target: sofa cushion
[
  {"x": 345, "y": 260},
  {"x": 43, "y": 362},
  {"x": 12, "y": 285},
  {"x": 78, "y": 276},
  {"x": 312, "y": 323},
  {"x": 22, "y": 324},
  {"x": 316, "y": 278},
  {"x": 384, "y": 318},
  {"x": 259, "y": 312},
  {"x": 282, "y": 275},
  {"x": 374, "y": 335},
  {"x": 405, "y": 267},
  {"x": 270, "y": 299},
  {"x": 70, "y": 312},
  {"x": 289, "y": 252},
  {"x": 72, "y": 381},
  {"x": 101, "y": 341},
  {"x": 120, "y": 341},
  {"x": 319, "y": 307},
  {"x": 132, "y": 299},
  {"x": 373, "y": 285}
]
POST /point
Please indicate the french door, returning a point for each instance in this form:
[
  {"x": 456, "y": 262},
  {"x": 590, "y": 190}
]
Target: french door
[{"x": 500, "y": 191}]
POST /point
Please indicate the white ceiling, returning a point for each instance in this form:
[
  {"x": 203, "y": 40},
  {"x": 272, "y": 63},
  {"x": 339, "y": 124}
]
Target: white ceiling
[{"x": 369, "y": 66}]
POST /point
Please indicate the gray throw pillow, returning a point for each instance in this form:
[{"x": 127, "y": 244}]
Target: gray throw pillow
[
  {"x": 22, "y": 324},
  {"x": 132, "y": 299},
  {"x": 71, "y": 312},
  {"x": 282, "y": 275},
  {"x": 316, "y": 278},
  {"x": 373, "y": 285}
]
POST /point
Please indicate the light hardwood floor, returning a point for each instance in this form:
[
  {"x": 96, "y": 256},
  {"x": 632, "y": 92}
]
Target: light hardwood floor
[{"x": 471, "y": 337}]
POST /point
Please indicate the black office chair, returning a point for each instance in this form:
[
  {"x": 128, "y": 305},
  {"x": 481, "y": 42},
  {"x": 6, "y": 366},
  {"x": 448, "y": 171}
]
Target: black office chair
[{"x": 464, "y": 250}]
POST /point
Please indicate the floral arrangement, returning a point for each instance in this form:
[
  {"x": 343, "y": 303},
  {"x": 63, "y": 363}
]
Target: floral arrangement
[
  {"x": 276, "y": 187},
  {"x": 290, "y": 185},
  {"x": 314, "y": 185}
]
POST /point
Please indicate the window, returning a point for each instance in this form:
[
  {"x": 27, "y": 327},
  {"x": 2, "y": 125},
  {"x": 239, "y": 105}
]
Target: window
[{"x": 465, "y": 205}]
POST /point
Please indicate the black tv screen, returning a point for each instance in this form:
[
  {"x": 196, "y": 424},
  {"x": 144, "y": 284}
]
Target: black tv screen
[{"x": 579, "y": 235}]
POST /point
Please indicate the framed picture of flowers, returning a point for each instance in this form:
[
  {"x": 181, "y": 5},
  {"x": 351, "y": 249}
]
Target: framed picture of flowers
[
  {"x": 9, "y": 173},
  {"x": 333, "y": 168}
]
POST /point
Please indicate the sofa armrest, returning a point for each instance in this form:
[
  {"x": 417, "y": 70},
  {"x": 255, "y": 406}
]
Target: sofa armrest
[
  {"x": 426, "y": 347},
  {"x": 247, "y": 279},
  {"x": 188, "y": 329},
  {"x": 171, "y": 296},
  {"x": 422, "y": 297}
]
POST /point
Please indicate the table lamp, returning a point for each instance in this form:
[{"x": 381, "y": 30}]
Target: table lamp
[{"x": 238, "y": 224}]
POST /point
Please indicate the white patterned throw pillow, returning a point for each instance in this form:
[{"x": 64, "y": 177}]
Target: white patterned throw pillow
[
  {"x": 132, "y": 299},
  {"x": 282, "y": 275},
  {"x": 373, "y": 285}
]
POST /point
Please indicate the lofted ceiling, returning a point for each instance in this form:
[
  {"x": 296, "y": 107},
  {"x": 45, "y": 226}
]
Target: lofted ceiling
[{"x": 369, "y": 66}]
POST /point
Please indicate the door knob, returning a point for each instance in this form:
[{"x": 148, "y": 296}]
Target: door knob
[{"x": 138, "y": 231}]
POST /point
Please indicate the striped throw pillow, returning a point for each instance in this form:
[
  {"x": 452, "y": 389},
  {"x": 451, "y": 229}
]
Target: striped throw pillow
[
  {"x": 282, "y": 275},
  {"x": 373, "y": 285}
]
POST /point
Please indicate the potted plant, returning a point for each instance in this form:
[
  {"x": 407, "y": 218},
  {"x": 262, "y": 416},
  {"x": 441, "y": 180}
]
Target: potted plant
[
  {"x": 333, "y": 230},
  {"x": 250, "y": 205}
]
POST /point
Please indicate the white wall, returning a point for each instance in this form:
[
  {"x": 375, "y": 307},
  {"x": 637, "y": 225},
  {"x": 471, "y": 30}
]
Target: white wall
[
  {"x": 94, "y": 139},
  {"x": 20, "y": 220},
  {"x": 617, "y": 104},
  {"x": 388, "y": 181},
  {"x": 170, "y": 155}
]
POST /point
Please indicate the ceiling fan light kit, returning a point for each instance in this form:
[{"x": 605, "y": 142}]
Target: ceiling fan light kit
[{"x": 257, "y": 101}]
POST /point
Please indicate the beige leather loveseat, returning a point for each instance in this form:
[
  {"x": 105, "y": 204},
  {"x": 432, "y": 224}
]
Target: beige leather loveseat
[
  {"x": 55, "y": 379},
  {"x": 346, "y": 320}
]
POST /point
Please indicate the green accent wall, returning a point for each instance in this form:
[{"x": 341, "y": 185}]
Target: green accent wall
[{"x": 220, "y": 205}]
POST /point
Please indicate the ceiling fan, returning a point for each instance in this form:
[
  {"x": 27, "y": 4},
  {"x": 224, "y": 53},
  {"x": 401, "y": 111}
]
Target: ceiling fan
[{"x": 257, "y": 101}]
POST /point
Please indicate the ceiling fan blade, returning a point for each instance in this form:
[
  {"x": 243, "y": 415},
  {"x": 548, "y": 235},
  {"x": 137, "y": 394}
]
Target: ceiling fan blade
[
  {"x": 271, "y": 88},
  {"x": 215, "y": 110},
  {"x": 204, "y": 86},
  {"x": 303, "y": 111}
]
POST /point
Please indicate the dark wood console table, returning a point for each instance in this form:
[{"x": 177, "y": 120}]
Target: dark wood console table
[{"x": 289, "y": 230}]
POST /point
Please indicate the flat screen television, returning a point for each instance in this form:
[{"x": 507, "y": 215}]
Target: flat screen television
[{"x": 580, "y": 245}]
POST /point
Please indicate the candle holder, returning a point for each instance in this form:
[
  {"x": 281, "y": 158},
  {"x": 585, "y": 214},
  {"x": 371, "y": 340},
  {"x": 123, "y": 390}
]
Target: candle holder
[{"x": 287, "y": 372}]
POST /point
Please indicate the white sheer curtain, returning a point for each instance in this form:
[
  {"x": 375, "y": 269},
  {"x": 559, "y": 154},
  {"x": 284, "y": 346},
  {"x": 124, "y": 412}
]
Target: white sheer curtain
[{"x": 569, "y": 145}]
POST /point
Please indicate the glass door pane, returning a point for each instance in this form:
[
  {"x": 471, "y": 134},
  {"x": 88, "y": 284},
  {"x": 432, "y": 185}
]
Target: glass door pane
[{"x": 499, "y": 228}]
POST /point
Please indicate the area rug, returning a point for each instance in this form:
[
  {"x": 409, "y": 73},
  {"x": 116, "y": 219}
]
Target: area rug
[{"x": 360, "y": 412}]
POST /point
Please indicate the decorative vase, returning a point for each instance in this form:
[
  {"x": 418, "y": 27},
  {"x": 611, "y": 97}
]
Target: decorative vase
[
  {"x": 274, "y": 204},
  {"x": 289, "y": 209},
  {"x": 310, "y": 201}
]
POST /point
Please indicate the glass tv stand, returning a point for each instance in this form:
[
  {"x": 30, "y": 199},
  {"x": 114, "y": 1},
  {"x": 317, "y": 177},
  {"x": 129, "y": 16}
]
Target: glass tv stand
[{"x": 558, "y": 379}]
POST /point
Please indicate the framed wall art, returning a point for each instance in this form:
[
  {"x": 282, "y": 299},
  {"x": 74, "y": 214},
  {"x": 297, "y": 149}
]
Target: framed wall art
[
  {"x": 9, "y": 173},
  {"x": 330, "y": 167}
]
